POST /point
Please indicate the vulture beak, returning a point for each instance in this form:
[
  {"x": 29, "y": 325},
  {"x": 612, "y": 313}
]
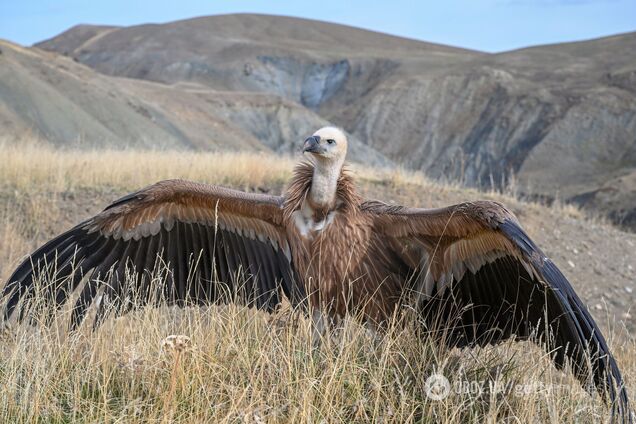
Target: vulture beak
[{"x": 312, "y": 145}]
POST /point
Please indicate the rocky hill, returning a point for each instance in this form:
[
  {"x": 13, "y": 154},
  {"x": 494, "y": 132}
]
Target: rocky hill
[
  {"x": 560, "y": 118},
  {"x": 70, "y": 105}
]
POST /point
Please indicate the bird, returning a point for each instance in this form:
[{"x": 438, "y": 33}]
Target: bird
[{"x": 472, "y": 272}]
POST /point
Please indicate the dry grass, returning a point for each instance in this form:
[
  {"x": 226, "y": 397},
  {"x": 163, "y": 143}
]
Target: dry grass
[
  {"x": 240, "y": 365},
  {"x": 33, "y": 169},
  {"x": 232, "y": 364},
  {"x": 41, "y": 168}
]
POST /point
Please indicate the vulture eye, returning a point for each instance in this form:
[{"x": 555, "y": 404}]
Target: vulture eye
[{"x": 331, "y": 141}]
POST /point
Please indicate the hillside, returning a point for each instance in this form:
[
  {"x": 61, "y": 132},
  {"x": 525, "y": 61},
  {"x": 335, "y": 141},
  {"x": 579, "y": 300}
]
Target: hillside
[
  {"x": 560, "y": 118},
  {"x": 65, "y": 103}
]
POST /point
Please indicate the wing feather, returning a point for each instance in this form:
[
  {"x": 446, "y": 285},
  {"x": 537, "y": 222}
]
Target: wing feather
[
  {"x": 484, "y": 280},
  {"x": 198, "y": 236}
]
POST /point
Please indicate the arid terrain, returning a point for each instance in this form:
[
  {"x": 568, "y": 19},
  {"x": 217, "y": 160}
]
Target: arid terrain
[
  {"x": 99, "y": 111},
  {"x": 557, "y": 120},
  {"x": 233, "y": 367}
]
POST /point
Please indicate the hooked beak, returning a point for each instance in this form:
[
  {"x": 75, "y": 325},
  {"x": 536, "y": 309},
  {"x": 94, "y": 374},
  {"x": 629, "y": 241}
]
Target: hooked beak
[{"x": 312, "y": 145}]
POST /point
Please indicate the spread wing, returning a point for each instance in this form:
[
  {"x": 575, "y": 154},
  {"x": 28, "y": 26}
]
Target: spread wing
[
  {"x": 201, "y": 242},
  {"x": 478, "y": 274}
]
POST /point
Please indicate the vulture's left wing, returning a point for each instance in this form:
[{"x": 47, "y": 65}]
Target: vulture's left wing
[
  {"x": 478, "y": 274},
  {"x": 175, "y": 240}
]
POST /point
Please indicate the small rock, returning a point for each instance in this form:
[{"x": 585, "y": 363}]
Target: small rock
[
  {"x": 248, "y": 69},
  {"x": 177, "y": 343},
  {"x": 571, "y": 264},
  {"x": 628, "y": 289},
  {"x": 598, "y": 307},
  {"x": 576, "y": 252}
]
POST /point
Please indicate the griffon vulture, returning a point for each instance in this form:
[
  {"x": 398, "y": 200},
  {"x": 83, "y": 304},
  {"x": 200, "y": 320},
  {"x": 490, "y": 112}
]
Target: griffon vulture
[{"x": 470, "y": 267}]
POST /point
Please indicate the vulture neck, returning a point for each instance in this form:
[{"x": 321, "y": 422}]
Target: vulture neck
[{"x": 324, "y": 183}]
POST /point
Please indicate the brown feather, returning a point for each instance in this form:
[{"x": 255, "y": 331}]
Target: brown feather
[
  {"x": 339, "y": 265},
  {"x": 191, "y": 202}
]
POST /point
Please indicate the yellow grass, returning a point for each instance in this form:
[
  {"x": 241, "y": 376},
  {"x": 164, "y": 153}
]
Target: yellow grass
[
  {"x": 35, "y": 167},
  {"x": 42, "y": 168},
  {"x": 240, "y": 365}
]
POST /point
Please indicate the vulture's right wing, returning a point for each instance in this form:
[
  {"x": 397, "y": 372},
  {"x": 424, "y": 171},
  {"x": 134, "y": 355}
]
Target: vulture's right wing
[
  {"x": 207, "y": 243},
  {"x": 480, "y": 279}
]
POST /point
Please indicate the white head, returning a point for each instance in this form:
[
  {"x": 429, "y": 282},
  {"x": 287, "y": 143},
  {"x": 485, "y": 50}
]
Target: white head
[
  {"x": 328, "y": 145},
  {"x": 328, "y": 148}
]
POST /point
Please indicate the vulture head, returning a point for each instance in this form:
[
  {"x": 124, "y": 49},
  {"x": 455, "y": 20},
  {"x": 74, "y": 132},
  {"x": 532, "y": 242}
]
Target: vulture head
[{"x": 327, "y": 145}]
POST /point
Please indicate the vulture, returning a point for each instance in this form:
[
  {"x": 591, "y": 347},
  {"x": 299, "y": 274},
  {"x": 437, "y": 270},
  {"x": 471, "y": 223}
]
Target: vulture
[{"x": 472, "y": 274}]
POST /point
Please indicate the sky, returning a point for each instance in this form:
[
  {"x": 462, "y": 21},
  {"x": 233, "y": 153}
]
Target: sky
[{"x": 487, "y": 25}]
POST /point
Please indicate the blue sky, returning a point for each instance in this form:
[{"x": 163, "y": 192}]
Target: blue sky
[{"x": 489, "y": 25}]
